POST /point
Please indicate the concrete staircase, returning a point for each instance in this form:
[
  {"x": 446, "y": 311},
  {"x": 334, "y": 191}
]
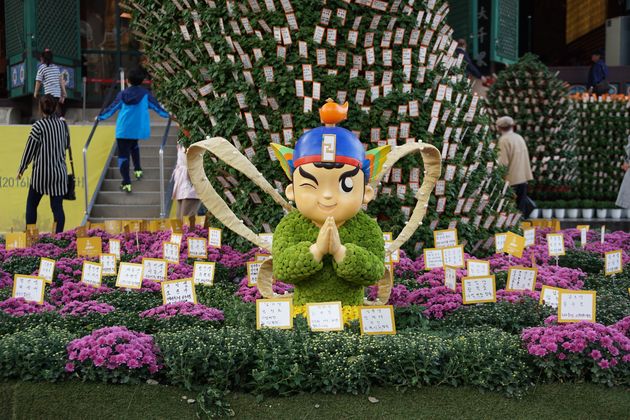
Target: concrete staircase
[{"x": 144, "y": 201}]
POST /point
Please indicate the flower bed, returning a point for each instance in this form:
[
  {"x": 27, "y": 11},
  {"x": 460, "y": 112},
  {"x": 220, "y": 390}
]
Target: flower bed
[{"x": 107, "y": 334}]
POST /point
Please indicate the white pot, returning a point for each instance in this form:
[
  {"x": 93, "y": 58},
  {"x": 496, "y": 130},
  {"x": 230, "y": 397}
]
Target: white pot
[
  {"x": 627, "y": 214},
  {"x": 547, "y": 213},
  {"x": 615, "y": 213},
  {"x": 601, "y": 213},
  {"x": 573, "y": 213},
  {"x": 536, "y": 213},
  {"x": 560, "y": 213},
  {"x": 587, "y": 213}
]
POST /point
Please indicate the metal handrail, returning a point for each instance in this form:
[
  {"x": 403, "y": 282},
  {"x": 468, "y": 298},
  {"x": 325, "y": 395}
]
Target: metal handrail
[
  {"x": 89, "y": 140},
  {"x": 162, "y": 195}
]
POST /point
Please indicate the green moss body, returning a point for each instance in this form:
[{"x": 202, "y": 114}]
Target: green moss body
[{"x": 328, "y": 281}]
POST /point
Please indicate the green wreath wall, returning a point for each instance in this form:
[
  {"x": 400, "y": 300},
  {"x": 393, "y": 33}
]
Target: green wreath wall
[{"x": 197, "y": 53}]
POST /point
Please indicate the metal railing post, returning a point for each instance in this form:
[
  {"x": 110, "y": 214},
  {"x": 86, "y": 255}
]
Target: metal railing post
[
  {"x": 161, "y": 152},
  {"x": 85, "y": 167},
  {"x": 84, "y": 97}
]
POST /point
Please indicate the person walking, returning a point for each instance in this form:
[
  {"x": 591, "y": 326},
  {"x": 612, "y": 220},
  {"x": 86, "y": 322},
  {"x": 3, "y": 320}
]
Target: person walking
[
  {"x": 188, "y": 202},
  {"x": 472, "y": 71},
  {"x": 597, "y": 74},
  {"x": 50, "y": 77},
  {"x": 133, "y": 123},
  {"x": 46, "y": 148},
  {"x": 623, "y": 198},
  {"x": 513, "y": 154}
]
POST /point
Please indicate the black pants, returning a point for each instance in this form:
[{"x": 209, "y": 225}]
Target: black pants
[
  {"x": 56, "y": 205},
  {"x": 127, "y": 147},
  {"x": 522, "y": 201}
]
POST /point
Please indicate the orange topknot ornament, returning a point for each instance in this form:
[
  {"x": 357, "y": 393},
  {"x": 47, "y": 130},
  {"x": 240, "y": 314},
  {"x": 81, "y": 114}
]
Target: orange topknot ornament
[{"x": 333, "y": 113}]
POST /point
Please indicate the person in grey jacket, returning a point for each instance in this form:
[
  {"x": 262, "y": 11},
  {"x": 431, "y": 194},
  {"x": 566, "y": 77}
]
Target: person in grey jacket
[{"x": 623, "y": 198}]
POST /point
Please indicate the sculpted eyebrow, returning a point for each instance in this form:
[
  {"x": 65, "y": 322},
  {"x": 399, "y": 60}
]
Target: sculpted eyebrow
[
  {"x": 351, "y": 173},
  {"x": 307, "y": 175}
]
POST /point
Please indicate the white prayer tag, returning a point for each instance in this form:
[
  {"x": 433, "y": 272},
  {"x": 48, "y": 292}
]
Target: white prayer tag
[
  {"x": 267, "y": 238},
  {"x": 203, "y": 272},
  {"x": 549, "y": 296},
  {"x": 450, "y": 277},
  {"x": 30, "y": 288},
  {"x": 478, "y": 289},
  {"x": 214, "y": 237},
  {"x": 555, "y": 244},
  {"x": 445, "y": 238},
  {"x": 178, "y": 291},
  {"x": 108, "y": 261},
  {"x": 176, "y": 238},
  {"x": 613, "y": 262},
  {"x": 46, "y": 269},
  {"x": 170, "y": 252},
  {"x": 252, "y": 273},
  {"x": 326, "y": 316},
  {"x": 530, "y": 236},
  {"x": 154, "y": 269},
  {"x": 521, "y": 278},
  {"x": 197, "y": 248},
  {"x": 129, "y": 276},
  {"x": 92, "y": 273},
  {"x": 477, "y": 268},
  {"x": 453, "y": 256},
  {"x": 274, "y": 313},
  {"x": 576, "y": 305},
  {"x": 433, "y": 258},
  {"x": 499, "y": 242},
  {"x": 114, "y": 247},
  {"x": 376, "y": 320}
]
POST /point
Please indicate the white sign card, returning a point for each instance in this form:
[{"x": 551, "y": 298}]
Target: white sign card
[
  {"x": 114, "y": 247},
  {"x": 530, "y": 236},
  {"x": 46, "y": 269},
  {"x": 477, "y": 268},
  {"x": 129, "y": 276},
  {"x": 174, "y": 291},
  {"x": 176, "y": 238},
  {"x": 453, "y": 256},
  {"x": 377, "y": 320},
  {"x": 108, "y": 261},
  {"x": 214, "y": 237},
  {"x": 253, "y": 268},
  {"x": 555, "y": 244},
  {"x": 325, "y": 316},
  {"x": 92, "y": 273},
  {"x": 203, "y": 272},
  {"x": 170, "y": 252},
  {"x": 450, "y": 277},
  {"x": 197, "y": 248},
  {"x": 576, "y": 306},
  {"x": 499, "y": 242},
  {"x": 154, "y": 269},
  {"x": 433, "y": 258},
  {"x": 521, "y": 278},
  {"x": 30, "y": 288},
  {"x": 478, "y": 289},
  {"x": 613, "y": 262},
  {"x": 549, "y": 296},
  {"x": 445, "y": 238},
  {"x": 274, "y": 313}
]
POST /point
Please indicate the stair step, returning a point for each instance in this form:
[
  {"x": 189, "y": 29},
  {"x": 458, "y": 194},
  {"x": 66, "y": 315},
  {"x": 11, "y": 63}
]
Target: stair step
[
  {"x": 149, "y": 162},
  {"x": 144, "y": 185},
  {"x": 123, "y": 199},
  {"x": 150, "y": 172},
  {"x": 113, "y": 211}
]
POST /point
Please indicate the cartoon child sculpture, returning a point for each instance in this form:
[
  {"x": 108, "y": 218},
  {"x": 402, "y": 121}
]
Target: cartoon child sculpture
[{"x": 328, "y": 248}]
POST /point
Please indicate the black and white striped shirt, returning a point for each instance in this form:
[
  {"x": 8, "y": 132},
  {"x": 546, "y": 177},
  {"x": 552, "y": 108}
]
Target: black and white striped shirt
[
  {"x": 46, "y": 148},
  {"x": 50, "y": 77}
]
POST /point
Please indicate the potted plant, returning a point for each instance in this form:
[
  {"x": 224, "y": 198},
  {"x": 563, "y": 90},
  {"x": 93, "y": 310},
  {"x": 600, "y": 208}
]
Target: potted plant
[
  {"x": 546, "y": 209},
  {"x": 535, "y": 214},
  {"x": 587, "y": 209},
  {"x": 601, "y": 209},
  {"x": 573, "y": 209},
  {"x": 614, "y": 211},
  {"x": 560, "y": 209}
]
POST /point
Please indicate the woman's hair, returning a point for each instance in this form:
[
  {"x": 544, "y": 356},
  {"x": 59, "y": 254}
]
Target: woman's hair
[
  {"x": 47, "y": 105},
  {"x": 47, "y": 57}
]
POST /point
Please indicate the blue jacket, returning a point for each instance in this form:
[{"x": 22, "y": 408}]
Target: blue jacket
[
  {"x": 597, "y": 73},
  {"x": 133, "y": 118}
]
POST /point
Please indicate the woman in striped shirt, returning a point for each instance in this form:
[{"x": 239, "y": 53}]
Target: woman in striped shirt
[
  {"x": 46, "y": 148},
  {"x": 49, "y": 75}
]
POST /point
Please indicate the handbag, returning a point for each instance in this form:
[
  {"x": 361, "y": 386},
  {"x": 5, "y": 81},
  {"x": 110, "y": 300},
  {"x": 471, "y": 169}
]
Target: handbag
[{"x": 71, "y": 193}]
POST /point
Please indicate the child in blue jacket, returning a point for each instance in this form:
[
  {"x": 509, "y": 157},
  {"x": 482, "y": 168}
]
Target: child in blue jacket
[{"x": 132, "y": 123}]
